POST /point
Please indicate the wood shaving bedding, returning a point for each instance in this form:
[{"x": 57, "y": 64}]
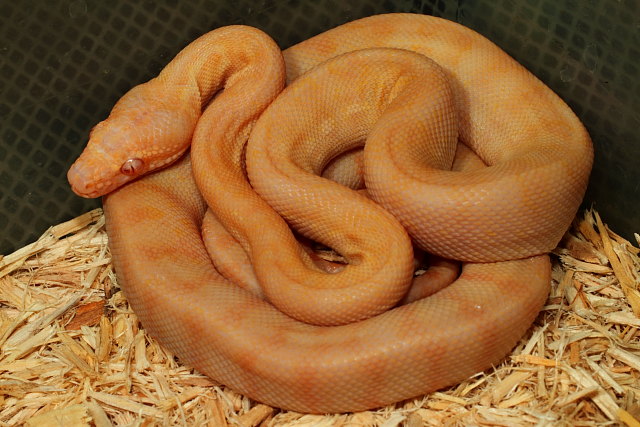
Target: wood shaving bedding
[{"x": 73, "y": 353}]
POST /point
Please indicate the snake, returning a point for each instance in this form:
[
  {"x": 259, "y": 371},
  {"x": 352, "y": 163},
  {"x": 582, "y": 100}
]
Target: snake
[{"x": 212, "y": 175}]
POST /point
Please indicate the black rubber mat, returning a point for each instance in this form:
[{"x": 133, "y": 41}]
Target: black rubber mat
[{"x": 63, "y": 64}]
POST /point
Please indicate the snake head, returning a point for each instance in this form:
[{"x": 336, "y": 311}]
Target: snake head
[{"x": 146, "y": 130}]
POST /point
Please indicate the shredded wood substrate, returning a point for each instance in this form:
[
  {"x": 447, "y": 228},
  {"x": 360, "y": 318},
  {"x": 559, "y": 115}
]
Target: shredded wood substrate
[{"x": 72, "y": 352}]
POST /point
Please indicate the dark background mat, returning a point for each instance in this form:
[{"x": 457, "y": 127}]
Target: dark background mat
[{"x": 63, "y": 64}]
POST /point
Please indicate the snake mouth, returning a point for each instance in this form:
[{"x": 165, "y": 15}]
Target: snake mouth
[
  {"x": 78, "y": 182},
  {"x": 85, "y": 194},
  {"x": 86, "y": 187},
  {"x": 95, "y": 190}
]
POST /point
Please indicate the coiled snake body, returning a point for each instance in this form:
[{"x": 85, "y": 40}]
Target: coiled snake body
[{"x": 292, "y": 335}]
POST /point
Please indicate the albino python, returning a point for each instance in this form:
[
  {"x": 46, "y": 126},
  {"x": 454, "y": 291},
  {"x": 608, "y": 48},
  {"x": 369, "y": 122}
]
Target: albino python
[{"x": 290, "y": 333}]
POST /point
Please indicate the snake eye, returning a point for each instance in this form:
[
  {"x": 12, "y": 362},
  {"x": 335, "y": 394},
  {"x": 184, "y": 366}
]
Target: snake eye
[{"x": 132, "y": 167}]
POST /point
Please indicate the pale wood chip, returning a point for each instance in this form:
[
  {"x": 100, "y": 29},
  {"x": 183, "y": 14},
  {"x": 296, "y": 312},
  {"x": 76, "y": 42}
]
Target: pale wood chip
[
  {"x": 45, "y": 318},
  {"x": 587, "y": 267},
  {"x": 140, "y": 351},
  {"x": 578, "y": 395},
  {"x": 9, "y": 326},
  {"x": 628, "y": 419},
  {"x": 602, "y": 329},
  {"x": 506, "y": 417},
  {"x": 518, "y": 399},
  {"x": 215, "y": 412},
  {"x": 622, "y": 273},
  {"x": 536, "y": 339},
  {"x": 534, "y": 360},
  {"x": 625, "y": 357},
  {"x": 105, "y": 336},
  {"x": 623, "y": 318},
  {"x": 394, "y": 420},
  {"x": 414, "y": 420},
  {"x": 9, "y": 263},
  {"x": 125, "y": 403},
  {"x": 74, "y": 415},
  {"x": 599, "y": 396},
  {"x": 449, "y": 398},
  {"x": 30, "y": 344},
  {"x": 98, "y": 415},
  {"x": 469, "y": 387},
  {"x": 604, "y": 375},
  {"x": 541, "y": 387},
  {"x": 587, "y": 229},
  {"x": 581, "y": 250},
  {"x": 508, "y": 383},
  {"x": 621, "y": 241}
]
